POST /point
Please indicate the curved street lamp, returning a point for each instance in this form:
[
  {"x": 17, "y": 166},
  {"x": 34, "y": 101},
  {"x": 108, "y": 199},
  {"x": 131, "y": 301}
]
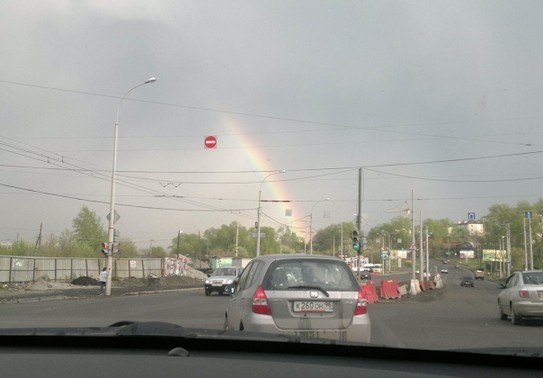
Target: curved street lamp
[
  {"x": 311, "y": 225},
  {"x": 111, "y": 228},
  {"x": 259, "y": 210}
]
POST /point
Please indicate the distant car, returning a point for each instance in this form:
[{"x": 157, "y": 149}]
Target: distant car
[
  {"x": 220, "y": 278},
  {"x": 467, "y": 281},
  {"x": 444, "y": 270},
  {"x": 301, "y": 295},
  {"x": 365, "y": 275},
  {"x": 480, "y": 274},
  {"x": 522, "y": 296}
]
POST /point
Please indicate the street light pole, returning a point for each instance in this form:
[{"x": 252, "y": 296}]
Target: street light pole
[
  {"x": 178, "y": 236},
  {"x": 311, "y": 225},
  {"x": 111, "y": 228},
  {"x": 259, "y": 211}
]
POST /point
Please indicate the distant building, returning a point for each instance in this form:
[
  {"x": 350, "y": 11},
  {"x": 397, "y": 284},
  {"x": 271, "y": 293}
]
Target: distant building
[
  {"x": 474, "y": 228},
  {"x": 6, "y": 244}
]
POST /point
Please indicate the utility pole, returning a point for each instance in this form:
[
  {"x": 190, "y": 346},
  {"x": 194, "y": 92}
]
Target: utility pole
[
  {"x": 359, "y": 223},
  {"x": 422, "y": 275},
  {"x": 531, "y": 242},
  {"x": 427, "y": 254},
  {"x": 525, "y": 244},
  {"x": 508, "y": 235},
  {"x": 413, "y": 242},
  {"x": 237, "y": 238}
]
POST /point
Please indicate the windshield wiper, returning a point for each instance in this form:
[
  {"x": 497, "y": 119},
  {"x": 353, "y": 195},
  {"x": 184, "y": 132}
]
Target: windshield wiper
[{"x": 308, "y": 287}]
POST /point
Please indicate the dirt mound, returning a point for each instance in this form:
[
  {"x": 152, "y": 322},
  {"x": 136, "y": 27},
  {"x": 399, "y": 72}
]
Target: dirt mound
[{"x": 85, "y": 281}]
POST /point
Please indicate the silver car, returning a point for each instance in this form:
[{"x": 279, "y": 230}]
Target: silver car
[
  {"x": 303, "y": 295},
  {"x": 220, "y": 279},
  {"x": 522, "y": 296}
]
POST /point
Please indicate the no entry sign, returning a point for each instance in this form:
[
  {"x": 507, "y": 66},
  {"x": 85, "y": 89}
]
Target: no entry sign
[{"x": 210, "y": 141}]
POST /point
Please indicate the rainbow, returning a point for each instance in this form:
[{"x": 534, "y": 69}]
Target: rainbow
[{"x": 273, "y": 188}]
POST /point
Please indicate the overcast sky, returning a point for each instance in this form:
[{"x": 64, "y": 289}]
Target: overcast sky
[{"x": 441, "y": 99}]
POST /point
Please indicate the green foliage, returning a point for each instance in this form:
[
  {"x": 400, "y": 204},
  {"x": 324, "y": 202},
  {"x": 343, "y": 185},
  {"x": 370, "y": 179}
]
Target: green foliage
[
  {"x": 87, "y": 234},
  {"x": 398, "y": 231},
  {"x": 157, "y": 252},
  {"x": 334, "y": 239},
  {"x": 19, "y": 248},
  {"x": 88, "y": 229},
  {"x": 127, "y": 248},
  {"x": 289, "y": 242}
]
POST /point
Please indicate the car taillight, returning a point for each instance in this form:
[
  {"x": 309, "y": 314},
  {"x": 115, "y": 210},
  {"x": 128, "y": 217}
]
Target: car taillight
[
  {"x": 260, "y": 302},
  {"x": 361, "y": 304},
  {"x": 523, "y": 294}
]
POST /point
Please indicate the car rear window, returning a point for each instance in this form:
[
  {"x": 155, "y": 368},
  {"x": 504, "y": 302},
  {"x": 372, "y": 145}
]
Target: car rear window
[
  {"x": 532, "y": 278},
  {"x": 326, "y": 274}
]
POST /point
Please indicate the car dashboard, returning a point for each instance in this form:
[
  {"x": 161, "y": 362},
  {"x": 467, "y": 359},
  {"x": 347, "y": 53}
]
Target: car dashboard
[{"x": 138, "y": 350}]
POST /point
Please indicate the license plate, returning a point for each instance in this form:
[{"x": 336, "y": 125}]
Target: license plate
[
  {"x": 218, "y": 283},
  {"x": 313, "y": 306}
]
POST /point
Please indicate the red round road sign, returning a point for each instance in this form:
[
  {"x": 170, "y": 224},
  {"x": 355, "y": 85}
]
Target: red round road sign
[{"x": 210, "y": 141}]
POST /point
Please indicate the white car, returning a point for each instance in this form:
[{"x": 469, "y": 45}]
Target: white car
[
  {"x": 220, "y": 279},
  {"x": 522, "y": 296}
]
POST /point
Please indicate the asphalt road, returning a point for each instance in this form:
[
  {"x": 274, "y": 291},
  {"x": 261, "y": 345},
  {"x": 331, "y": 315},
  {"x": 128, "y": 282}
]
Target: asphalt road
[{"x": 451, "y": 318}]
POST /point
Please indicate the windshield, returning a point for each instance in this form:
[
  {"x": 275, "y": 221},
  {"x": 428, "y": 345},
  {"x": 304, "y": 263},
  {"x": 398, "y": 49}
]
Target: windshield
[
  {"x": 225, "y": 272},
  {"x": 152, "y": 147}
]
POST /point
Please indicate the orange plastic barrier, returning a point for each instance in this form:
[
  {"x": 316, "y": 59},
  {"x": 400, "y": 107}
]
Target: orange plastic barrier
[
  {"x": 389, "y": 289},
  {"x": 422, "y": 285},
  {"x": 370, "y": 292},
  {"x": 431, "y": 285}
]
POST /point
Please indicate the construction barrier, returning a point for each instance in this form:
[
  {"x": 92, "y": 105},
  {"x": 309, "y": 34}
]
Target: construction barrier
[
  {"x": 415, "y": 287},
  {"x": 438, "y": 281},
  {"x": 431, "y": 285},
  {"x": 370, "y": 292},
  {"x": 422, "y": 286},
  {"x": 402, "y": 290},
  {"x": 389, "y": 289}
]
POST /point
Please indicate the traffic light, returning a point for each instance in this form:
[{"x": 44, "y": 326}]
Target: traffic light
[
  {"x": 105, "y": 249},
  {"x": 356, "y": 240}
]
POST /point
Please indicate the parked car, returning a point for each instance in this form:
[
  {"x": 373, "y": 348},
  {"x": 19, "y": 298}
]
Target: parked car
[
  {"x": 522, "y": 296},
  {"x": 220, "y": 279},
  {"x": 302, "y": 295},
  {"x": 467, "y": 281}
]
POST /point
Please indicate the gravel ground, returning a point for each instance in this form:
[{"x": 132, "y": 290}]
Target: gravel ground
[{"x": 83, "y": 287}]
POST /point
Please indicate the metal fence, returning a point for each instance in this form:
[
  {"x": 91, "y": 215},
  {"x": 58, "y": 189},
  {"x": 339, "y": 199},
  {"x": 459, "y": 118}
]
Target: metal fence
[{"x": 15, "y": 269}]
